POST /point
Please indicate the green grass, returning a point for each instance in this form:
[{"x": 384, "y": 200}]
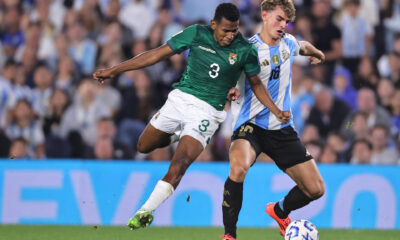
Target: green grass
[{"x": 36, "y": 232}]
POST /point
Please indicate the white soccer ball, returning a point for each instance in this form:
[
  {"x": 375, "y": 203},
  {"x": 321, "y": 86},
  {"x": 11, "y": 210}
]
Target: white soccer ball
[{"x": 301, "y": 230}]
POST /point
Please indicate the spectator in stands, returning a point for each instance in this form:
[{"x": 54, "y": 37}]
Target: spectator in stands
[
  {"x": 41, "y": 94},
  {"x": 23, "y": 125},
  {"x": 367, "y": 103},
  {"x": 19, "y": 149},
  {"x": 66, "y": 77},
  {"x": 357, "y": 128},
  {"x": 367, "y": 75},
  {"x": 82, "y": 116},
  {"x": 82, "y": 49},
  {"x": 356, "y": 36},
  {"x": 7, "y": 96},
  {"x": 109, "y": 97},
  {"x": 326, "y": 37},
  {"x": 361, "y": 152},
  {"x": 328, "y": 112},
  {"x": 310, "y": 133},
  {"x": 389, "y": 64},
  {"x": 338, "y": 144},
  {"x": 104, "y": 149},
  {"x": 302, "y": 97},
  {"x": 394, "y": 63},
  {"x": 5, "y": 144},
  {"x": 138, "y": 17},
  {"x": 391, "y": 15},
  {"x": 328, "y": 155},
  {"x": 20, "y": 89},
  {"x": 381, "y": 152},
  {"x": 13, "y": 36},
  {"x": 385, "y": 93},
  {"x": 106, "y": 129},
  {"x": 395, "y": 107},
  {"x": 343, "y": 87}
]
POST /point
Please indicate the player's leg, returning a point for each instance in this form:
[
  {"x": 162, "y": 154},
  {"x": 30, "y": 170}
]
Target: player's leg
[
  {"x": 152, "y": 138},
  {"x": 291, "y": 156},
  {"x": 187, "y": 151},
  {"x": 310, "y": 186},
  {"x": 241, "y": 156}
]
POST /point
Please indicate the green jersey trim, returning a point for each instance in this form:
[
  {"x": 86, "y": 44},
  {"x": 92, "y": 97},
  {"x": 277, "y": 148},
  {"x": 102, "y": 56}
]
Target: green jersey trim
[
  {"x": 253, "y": 73},
  {"x": 172, "y": 46}
]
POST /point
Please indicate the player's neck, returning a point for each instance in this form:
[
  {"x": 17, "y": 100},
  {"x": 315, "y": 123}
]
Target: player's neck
[{"x": 267, "y": 39}]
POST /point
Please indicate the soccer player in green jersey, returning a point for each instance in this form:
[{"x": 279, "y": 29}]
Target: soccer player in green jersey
[{"x": 219, "y": 54}]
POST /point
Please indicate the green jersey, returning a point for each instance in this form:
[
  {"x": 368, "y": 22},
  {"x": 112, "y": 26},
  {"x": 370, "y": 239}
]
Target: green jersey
[{"x": 212, "y": 70}]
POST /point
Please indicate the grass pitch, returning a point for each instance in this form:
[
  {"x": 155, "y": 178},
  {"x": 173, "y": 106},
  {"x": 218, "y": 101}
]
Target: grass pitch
[{"x": 40, "y": 232}]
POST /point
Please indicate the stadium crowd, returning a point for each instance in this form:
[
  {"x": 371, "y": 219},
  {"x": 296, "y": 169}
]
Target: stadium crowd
[{"x": 346, "y": 110}]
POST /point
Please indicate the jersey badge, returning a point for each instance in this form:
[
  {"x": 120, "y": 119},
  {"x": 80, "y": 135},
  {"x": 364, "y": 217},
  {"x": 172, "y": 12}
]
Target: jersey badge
[
  {"x": 285, "y": 55},
  {"x": 232, "y": 58},
  {"x": 156, "y": 116},
  {"x": 275, "y": 60}
]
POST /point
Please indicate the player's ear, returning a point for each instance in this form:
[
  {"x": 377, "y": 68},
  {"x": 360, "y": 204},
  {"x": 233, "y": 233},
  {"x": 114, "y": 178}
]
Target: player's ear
[
  {"x": 213, "y": 24},
  {"x": 264, "y": 15}
]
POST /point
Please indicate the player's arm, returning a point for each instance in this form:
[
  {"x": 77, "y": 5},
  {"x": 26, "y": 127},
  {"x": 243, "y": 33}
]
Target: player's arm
[
  {"x": 263, "y": 96},
  {"x": 142, "y": 60},
  {"x": 307, "y": 49}
]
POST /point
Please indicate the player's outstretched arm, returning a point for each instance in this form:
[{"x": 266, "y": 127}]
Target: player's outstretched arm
[
  {"x": 142, "y": 60},
  {"x": 316, "y": 56},
  {"x": 264, "y": 97}
]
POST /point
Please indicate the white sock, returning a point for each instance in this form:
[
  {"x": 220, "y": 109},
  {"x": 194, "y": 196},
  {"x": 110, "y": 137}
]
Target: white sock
[{"x": 161, "y": 192}]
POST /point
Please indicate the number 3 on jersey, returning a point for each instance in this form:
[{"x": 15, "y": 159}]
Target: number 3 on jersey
[{"x": 214, "y": 70}]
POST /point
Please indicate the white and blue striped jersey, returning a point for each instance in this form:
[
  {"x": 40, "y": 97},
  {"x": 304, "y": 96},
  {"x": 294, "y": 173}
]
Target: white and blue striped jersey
[{"x": 276, "y": 75}]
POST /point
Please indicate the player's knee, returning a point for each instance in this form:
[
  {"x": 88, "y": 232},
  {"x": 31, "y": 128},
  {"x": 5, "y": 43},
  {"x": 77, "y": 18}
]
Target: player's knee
[
  {"x": 317, "y": 190},
  {"x": 141, "y": 147},
  {"x": 238, "y": 172}
]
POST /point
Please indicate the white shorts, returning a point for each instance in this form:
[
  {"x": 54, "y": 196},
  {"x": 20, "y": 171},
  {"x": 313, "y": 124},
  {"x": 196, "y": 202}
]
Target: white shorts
[{"x": 184, "y": 114}]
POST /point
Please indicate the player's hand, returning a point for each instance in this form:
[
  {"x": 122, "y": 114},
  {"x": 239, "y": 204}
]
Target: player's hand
[
  {"x": 103, "y": 74},
  {"x": 320, "y": 58},
  {"x": 233, "y": 94},
  {"x": 283, "y": 116}
]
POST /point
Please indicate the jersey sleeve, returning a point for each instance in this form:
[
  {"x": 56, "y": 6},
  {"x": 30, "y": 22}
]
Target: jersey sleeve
[
  {"x": 293, "y": 44},
  {"x": 252, "y": 66},
  {"x": 183, "y": 39}
]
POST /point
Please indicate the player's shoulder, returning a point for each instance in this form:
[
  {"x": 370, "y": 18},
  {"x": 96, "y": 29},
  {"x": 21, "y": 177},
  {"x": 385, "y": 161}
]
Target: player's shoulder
[
  {"x": 289, "y": 37},
  {"x": 202, "y": 29}
]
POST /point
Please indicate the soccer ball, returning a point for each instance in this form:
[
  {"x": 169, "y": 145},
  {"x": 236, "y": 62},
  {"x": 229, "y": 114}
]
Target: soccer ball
[{"x": 301, "y": 230}]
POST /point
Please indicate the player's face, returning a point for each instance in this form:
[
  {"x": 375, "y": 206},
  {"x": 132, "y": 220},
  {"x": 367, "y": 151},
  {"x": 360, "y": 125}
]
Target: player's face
[
  {"x": 225, "y": 31},
  {"x": 275, "y": 22}
]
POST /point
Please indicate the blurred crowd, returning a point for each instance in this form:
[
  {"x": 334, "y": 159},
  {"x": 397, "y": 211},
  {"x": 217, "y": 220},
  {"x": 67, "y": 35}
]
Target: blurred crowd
[{"x": 346, "y": 110}]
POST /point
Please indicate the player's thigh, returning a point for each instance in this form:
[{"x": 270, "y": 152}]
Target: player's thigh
[
  {"x": 169, "y": 118},
  {"x": 152, "y": 138},
  {"x": 201, "y": 121},
  {"x": 308, "y": 178}
]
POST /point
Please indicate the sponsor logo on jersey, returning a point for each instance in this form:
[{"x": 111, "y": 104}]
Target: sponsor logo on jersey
[
  {"x": 275, "y": 60},
  {"x": 265, "y": 63},
  {"x": 285, "y": 55},
  {"x": 232, "y": 58},
  {"x": 207, "y": 49}
]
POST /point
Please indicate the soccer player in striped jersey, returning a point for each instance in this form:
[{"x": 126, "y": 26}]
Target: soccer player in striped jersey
[
  {"x": 218, "y": 56},
  {"x": 256, "y": 130}
]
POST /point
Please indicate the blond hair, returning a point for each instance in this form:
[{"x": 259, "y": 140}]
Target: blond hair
[{"x": 287, "y": 6}]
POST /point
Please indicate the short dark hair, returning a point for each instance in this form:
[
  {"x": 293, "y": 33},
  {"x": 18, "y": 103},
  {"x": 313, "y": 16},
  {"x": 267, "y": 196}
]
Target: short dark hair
[
  {"x": 361, "y": 141},
  {"x": 228, "y": 11}
]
